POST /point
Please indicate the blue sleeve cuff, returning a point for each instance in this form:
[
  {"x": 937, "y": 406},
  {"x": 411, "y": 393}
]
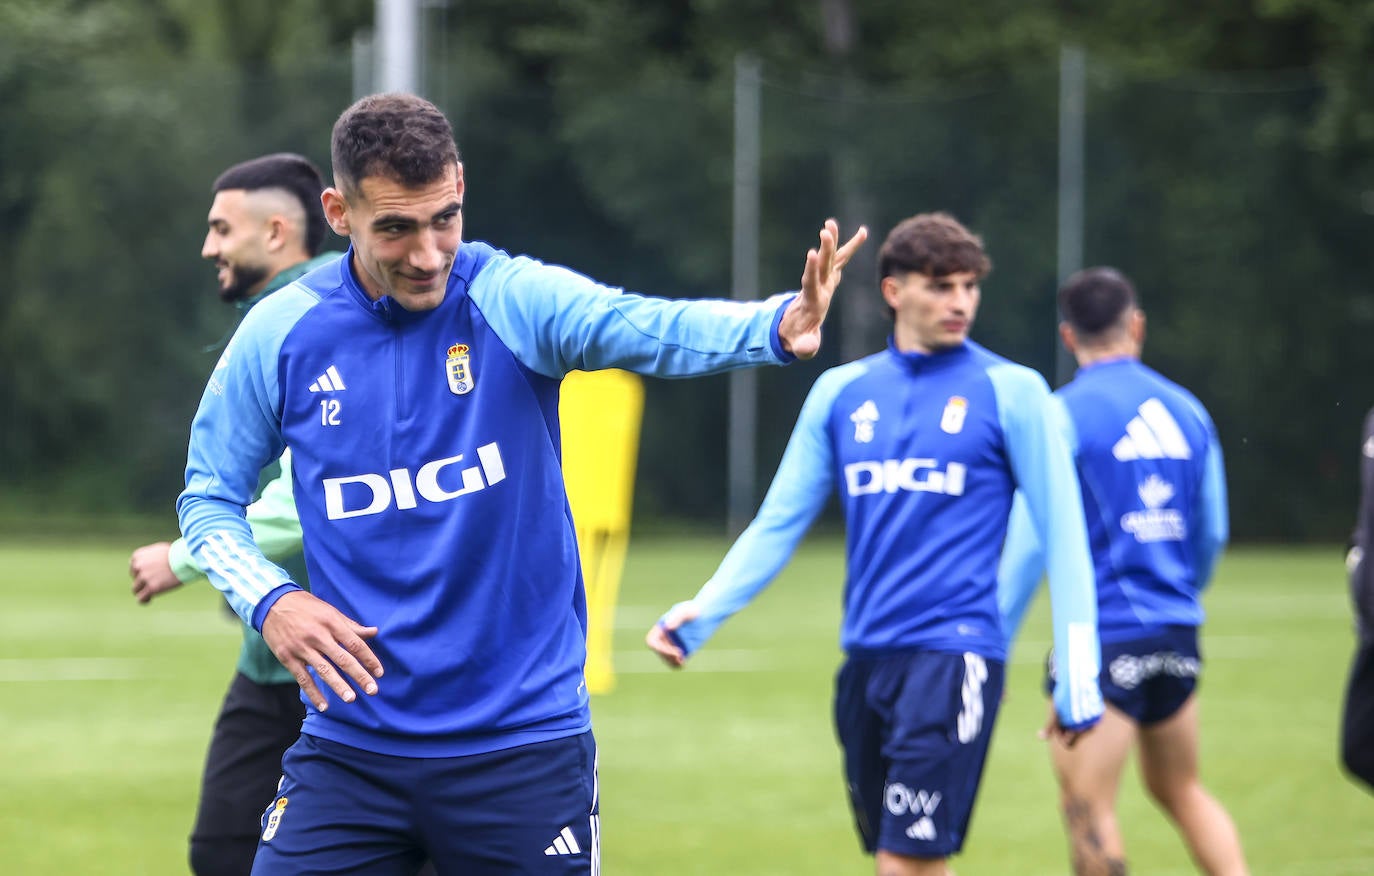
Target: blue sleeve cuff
[
  {"x": 676, "y": 640},
  {"x": 775, "y": 339},
  {"x": 260, "y": 612},
  {"x": 1081, "y": 725}
]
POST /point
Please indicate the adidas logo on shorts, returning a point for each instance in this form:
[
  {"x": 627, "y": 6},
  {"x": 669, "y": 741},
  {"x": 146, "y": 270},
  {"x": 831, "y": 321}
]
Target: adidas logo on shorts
[
  {"x": 563, "y": 844},
  {"x": 922, "y": 829}
]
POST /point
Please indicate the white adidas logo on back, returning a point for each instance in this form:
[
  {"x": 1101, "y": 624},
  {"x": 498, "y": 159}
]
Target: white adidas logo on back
[
  {"x": 1153, "y": 434},
  {"x": 329, "y": 381}
]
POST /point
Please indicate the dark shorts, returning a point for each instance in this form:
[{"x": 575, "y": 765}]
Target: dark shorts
[
  {"x": 914, "y": 729},
  {"x": 1148, "y": 679},
  {"x": 1357, "y": 716},
  {"x": 532, "y": 809},
  {"x": 256, "y": 724}
]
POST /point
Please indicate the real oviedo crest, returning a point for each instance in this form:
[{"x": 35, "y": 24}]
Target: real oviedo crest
[
  {"x": 458, "y": 365},
  {"x": 952, "y": 421}
]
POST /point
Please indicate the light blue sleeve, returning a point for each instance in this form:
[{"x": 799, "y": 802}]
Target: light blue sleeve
[
  {"x": 556, "y": 320},
  {"x": 1022, "y": 565},
  {"x": 1020, "y": 569},
  {"x": 1035, "y": 424},
  {"x": 276, "y": 526},
  {"x": 800, "y": 488},
  {"x": 1211, "y": 521},
  {"x": 236, "y": 432}
]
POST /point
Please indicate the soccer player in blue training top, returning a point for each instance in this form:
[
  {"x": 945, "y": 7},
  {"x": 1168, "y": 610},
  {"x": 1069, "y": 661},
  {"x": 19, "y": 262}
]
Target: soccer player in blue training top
[
  {"x": 416, "y": 382},
  {"x": 926, "y": 443},
  {"x": 1154, "y": 495}
]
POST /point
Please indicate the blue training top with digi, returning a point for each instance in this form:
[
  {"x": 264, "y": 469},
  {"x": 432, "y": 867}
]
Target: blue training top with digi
[
  {"x": 926, "y": 452},
  {"x": 1154, "y": 495},
  {"x": 426, "y": 464}
]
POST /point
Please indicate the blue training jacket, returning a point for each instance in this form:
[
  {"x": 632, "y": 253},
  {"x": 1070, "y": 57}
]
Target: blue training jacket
[
  {"x": 926, "y": 452},
  {"x": 427, "y": 473},
  {"x": 1154, "y": 494}
]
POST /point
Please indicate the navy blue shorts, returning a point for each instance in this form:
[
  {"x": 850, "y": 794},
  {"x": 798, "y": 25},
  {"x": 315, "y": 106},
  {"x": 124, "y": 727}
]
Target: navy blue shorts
[
  {"x": 1150, "y": 678},
  {"x": 915, "y": 730},
  {"x": 531, "y": 809}
]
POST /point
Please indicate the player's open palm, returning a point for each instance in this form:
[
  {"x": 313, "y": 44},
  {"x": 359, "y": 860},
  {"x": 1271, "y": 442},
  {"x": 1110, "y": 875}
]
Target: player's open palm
[
  {"x": 305, "y": 632},
  {"x": 800, "y": 329}
]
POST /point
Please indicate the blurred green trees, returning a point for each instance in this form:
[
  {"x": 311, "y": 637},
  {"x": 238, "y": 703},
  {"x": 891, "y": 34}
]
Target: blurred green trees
[{"x": 1229, "y": 169}]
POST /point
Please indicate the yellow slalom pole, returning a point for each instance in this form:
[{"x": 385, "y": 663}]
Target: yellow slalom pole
[{"x": 600, "y": 414}]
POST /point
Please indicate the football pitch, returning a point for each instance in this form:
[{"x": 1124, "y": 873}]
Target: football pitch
[{"x": 728, "y": 767}]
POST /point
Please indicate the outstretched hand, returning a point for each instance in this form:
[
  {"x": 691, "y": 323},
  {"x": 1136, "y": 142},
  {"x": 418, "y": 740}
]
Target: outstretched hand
[
  {"x": 661, "y": 643},
  {"x": 305, "y": 632},
  {"x": 800, "y": 329}
]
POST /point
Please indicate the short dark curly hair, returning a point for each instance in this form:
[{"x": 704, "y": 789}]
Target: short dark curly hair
[
  {"x": 934, "y": 244},
  {"x": 400, "y": 137}
]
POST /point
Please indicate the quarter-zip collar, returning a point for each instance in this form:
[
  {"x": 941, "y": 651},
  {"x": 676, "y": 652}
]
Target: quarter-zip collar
[
  {"x": 917, "y": 362},
  {"x": 387, "y": 310}
]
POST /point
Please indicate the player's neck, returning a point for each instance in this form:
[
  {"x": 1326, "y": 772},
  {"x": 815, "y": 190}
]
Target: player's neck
[{"x": 1092, "y": 355}]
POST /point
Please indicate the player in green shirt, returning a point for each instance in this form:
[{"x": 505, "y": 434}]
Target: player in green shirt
[{"x": 266, "y": 229}]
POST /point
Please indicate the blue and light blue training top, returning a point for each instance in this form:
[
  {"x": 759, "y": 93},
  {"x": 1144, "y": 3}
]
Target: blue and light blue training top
[
  {"x": 926, "y": 452},
  {"x": 1154, "y": 495},
  {"x": 426, "y": 463}
]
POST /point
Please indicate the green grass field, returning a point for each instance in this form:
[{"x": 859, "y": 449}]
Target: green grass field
[{"x": 729, "y": 767}]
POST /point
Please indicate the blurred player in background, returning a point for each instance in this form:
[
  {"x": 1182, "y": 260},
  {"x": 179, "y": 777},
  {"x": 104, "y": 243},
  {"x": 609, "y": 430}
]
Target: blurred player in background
[
  {"x": 926, "y": 443},
  {"x": 1154, "y": 494},
  {"x": 417, "y": 382},
  {"x": 266, "y": 229},
  {"x": 1357, "y": 715}
]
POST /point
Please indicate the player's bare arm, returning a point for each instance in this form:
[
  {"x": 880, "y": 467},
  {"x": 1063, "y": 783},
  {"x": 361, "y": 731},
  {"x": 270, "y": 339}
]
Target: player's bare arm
[
  {"x": 151, "y": 570},
  {"x": 305, "y": 632},
  {"x": 800, "y": 328}
]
